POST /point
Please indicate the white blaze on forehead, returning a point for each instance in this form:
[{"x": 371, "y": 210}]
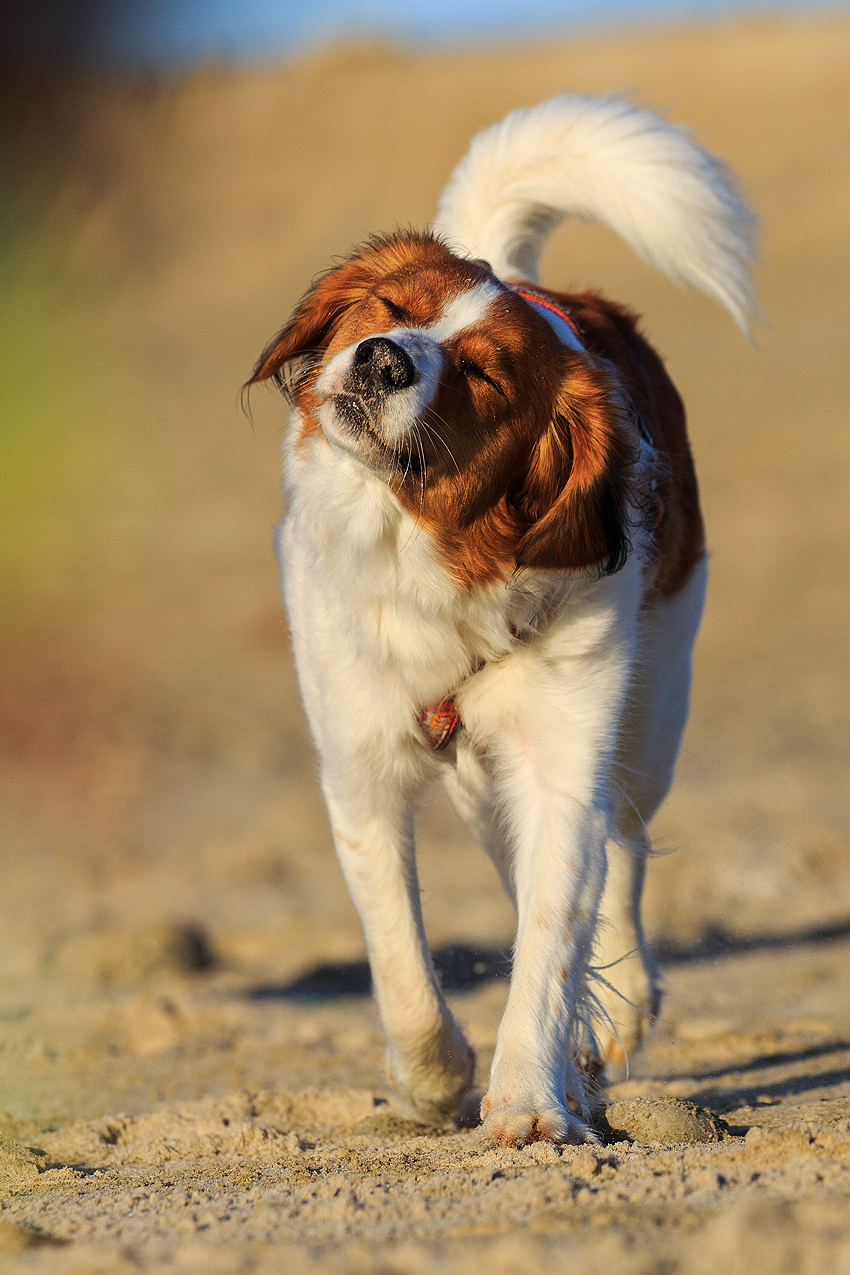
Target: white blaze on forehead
[{"x": 464, "y": 311}]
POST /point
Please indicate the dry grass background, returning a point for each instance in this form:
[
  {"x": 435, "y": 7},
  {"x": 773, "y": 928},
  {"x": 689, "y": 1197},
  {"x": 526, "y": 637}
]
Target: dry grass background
[{"x": 158, "y": 793}]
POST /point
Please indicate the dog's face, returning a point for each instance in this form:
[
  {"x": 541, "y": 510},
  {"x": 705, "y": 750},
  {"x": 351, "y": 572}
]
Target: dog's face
[{"x": 508, "y": 445}]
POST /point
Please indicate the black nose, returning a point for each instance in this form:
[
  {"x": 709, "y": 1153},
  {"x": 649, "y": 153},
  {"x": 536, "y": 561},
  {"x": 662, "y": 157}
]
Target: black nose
[{"x": 381, "y": 367}]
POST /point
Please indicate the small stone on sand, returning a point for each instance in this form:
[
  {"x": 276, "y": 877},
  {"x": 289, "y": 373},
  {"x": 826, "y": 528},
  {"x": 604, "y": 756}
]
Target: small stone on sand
[{"x": 653, "y": 1118}]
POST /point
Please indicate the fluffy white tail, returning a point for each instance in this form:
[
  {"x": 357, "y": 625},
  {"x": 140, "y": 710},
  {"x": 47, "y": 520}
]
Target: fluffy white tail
[{"x": 604, "y": 160}]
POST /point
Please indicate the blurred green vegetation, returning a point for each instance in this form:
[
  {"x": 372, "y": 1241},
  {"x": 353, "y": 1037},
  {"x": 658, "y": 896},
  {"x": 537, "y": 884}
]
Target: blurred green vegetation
[{"x": 57, "y": 436}]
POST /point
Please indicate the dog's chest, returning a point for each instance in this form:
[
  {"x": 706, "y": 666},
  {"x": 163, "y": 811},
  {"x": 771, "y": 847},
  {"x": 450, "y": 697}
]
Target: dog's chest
[{"x": 376, "y": 579}]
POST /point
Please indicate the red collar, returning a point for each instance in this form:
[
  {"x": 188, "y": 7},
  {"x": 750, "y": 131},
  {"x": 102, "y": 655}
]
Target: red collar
[
  {"x": 438, "y": 723},
  {"x": 564, "y": 326}
]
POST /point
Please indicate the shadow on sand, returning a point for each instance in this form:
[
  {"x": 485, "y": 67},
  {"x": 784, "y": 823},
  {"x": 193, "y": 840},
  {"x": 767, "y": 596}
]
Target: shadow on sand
[{"x": 461, "y": 968}]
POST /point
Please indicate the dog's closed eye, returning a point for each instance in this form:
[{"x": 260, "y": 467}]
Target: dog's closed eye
[
  {"x": 473, "y": 371},
  {"x": 396, "y": 313}
]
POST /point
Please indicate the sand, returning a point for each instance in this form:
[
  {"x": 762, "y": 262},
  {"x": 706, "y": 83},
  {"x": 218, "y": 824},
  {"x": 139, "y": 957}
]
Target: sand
[{"x": 191, "y": 1072}]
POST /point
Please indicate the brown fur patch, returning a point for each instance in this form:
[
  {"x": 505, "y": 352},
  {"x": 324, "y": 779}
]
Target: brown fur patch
[{"x": 611, "y": 330}]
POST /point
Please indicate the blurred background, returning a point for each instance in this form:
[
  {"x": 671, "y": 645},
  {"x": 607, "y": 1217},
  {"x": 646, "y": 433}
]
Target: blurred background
[{"x": 173, "y": 175}]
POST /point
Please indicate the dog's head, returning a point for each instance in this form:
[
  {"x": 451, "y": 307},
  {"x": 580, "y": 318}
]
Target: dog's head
[{"x": 508, "y": 443}]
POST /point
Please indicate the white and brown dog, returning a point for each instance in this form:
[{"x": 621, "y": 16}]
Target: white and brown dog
[{"x": 494, "y": 565}]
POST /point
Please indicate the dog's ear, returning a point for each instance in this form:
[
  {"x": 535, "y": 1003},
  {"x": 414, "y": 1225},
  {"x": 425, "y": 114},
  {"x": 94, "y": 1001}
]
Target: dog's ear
[
  {"x": 311, "y": 327},
  {"x": 312, "y": 324},
  {"x": 575, "y": 491},
  {"x": 307, "y": 332}
]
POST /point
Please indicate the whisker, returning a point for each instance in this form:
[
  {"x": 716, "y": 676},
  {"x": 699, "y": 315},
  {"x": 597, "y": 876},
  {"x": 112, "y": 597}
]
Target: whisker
[
  {"x": 437, "y": 438},
  {"x": 423, "y": 463},
  {"x": 414, "y": 433}
]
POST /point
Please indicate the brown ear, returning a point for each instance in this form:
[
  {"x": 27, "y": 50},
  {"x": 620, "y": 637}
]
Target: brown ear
[
  {"x": 576, "y": 489},
  {"x": 312, "y": 325},
  {"x": 306, "y": 331},
  {"x": 317, "y": 314}
]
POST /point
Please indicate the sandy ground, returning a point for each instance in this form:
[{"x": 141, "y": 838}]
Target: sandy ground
[{"x": 191, "y": 1071}]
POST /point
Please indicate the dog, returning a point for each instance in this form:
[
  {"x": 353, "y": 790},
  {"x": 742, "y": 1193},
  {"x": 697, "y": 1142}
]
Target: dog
[{"x": 494, "y": 566}]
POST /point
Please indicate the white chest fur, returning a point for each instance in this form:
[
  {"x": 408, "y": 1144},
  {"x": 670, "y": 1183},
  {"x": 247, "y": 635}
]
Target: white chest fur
[{"x": 352, "y": 558}]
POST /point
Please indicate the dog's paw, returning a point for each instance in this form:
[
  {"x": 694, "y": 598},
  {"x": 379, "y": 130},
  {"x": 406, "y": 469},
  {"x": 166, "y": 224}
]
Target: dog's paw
[
  {"x": 518, "y": 1125},
  {"x": 591, "y": 1068},
  {"x": 437, "y": 1076}
]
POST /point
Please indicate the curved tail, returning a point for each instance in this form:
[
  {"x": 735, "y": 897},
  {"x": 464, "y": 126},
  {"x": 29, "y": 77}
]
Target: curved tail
[{"x": 604, "y": 160}]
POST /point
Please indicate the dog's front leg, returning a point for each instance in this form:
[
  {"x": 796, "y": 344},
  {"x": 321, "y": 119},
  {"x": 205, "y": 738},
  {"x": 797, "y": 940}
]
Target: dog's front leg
[
  {"x": 430, "y": 1060},
  {"x": 546, "y": 720},
  {"x": 559, "y": 870}
]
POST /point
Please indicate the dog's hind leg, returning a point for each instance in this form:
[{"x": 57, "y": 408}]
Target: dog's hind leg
[
  {"x": 470, "y": 788},
  {"x": 627, "y": 986},
  {"x": 628, "y": 989}
]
